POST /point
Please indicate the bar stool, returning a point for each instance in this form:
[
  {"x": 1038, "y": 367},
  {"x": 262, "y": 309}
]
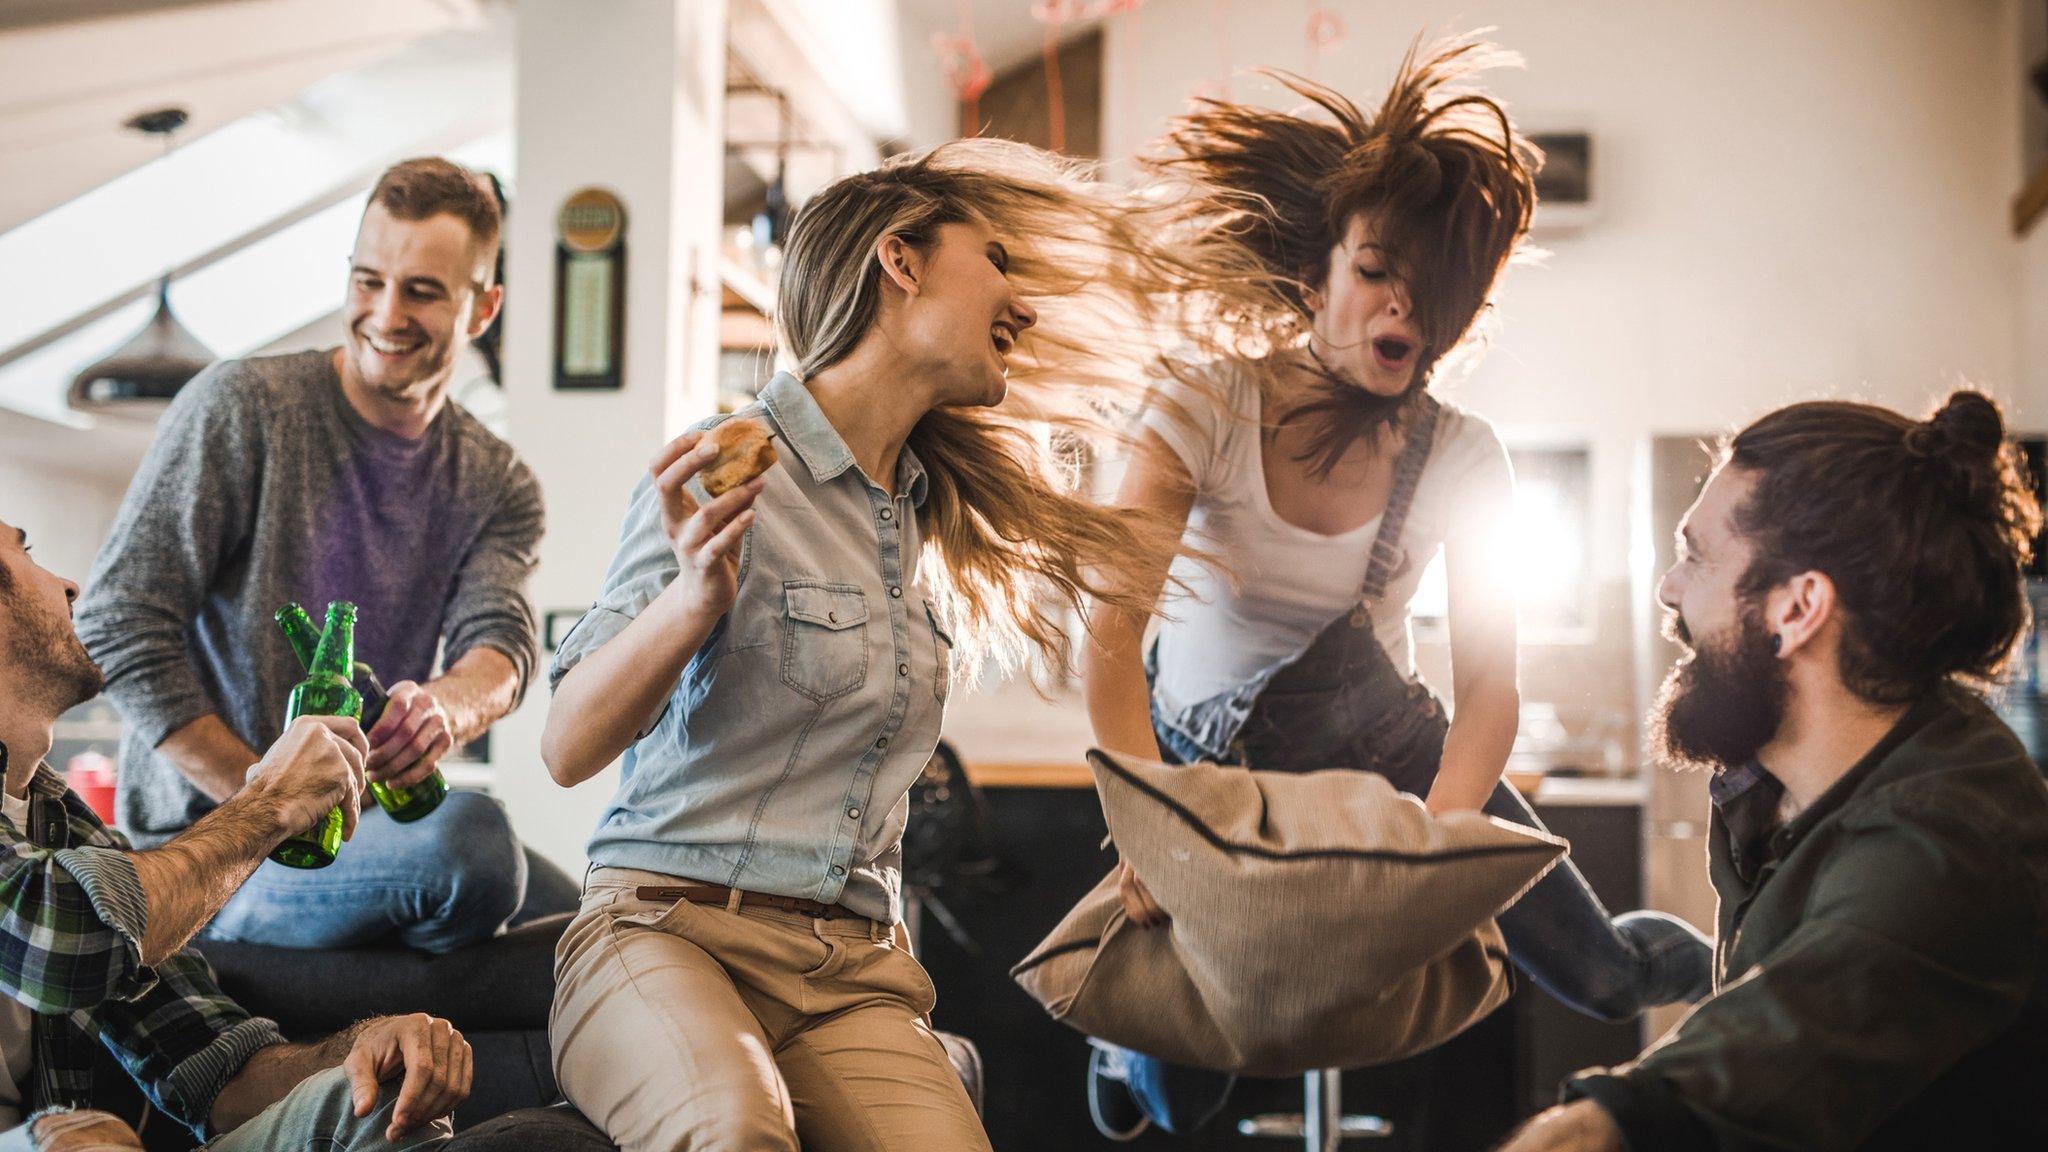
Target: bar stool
[{"x": 1321, "y": 1124}]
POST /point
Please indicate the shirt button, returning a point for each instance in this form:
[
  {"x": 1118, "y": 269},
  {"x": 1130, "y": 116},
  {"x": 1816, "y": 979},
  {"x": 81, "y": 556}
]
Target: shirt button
[
  {"x": 853, "y": 813},
  {"x": 887, "y": 514},
  {"x": 903, "y": 669},
  {"x": 896, "y": 593},
  {"x": 837, "y": 870},
  {"x": 882, "y": 743}
]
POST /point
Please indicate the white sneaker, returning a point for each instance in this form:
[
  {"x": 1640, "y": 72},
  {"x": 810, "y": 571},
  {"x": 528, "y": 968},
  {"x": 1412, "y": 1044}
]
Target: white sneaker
[{"x": 1111, "y": 1105}]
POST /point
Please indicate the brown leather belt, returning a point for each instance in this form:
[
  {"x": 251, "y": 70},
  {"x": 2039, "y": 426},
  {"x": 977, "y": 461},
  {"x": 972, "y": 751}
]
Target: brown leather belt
[{"x": 720, "y": 894}]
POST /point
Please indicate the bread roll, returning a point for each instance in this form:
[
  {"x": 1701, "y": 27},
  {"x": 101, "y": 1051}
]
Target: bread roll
[{"x": 743, "y": 453}]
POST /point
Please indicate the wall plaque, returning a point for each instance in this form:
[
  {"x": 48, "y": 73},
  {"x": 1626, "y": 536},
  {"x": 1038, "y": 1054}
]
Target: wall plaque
[{"x": 590, "y": 291}]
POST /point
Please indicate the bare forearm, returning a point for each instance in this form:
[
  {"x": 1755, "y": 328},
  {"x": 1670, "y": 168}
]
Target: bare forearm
[
  {"x": 273, "y": 1072},
  {"x": 210, "y": 755},
  {"x": 1476, "y": 747},
  {"x": 476, "y": 692},
  {"x": 1119, "y": 699},
  {"x": 609, "y": 697},
  {"x": 187, "y": 880}
]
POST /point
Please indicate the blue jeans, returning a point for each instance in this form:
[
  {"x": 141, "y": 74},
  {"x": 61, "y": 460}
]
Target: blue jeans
[
  {"x": 317, "y": 1116},
  {"x": 454, "y": 878}
]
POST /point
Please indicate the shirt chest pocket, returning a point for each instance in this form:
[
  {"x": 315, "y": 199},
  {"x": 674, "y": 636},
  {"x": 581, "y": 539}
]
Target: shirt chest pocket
[{"x": 824, "y": 638}]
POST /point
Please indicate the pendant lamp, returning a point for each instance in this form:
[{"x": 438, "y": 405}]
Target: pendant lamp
[{"x": 141, "y": 376}]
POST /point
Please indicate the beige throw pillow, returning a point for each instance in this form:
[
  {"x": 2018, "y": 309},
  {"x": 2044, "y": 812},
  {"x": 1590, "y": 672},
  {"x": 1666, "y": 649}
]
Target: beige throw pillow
[{"x": 1319, "y": 920}]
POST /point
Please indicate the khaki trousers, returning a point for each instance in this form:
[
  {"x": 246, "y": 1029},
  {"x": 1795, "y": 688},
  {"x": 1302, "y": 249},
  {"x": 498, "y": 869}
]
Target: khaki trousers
[{"x": 680, "y": 1026}]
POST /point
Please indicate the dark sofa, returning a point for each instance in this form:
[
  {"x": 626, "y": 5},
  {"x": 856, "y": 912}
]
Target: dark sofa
[{"x": 497, "y": 993}]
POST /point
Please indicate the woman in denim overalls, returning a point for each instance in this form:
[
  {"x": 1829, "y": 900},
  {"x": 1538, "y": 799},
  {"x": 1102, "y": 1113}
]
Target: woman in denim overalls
[{"x": 1279, "y": 468}]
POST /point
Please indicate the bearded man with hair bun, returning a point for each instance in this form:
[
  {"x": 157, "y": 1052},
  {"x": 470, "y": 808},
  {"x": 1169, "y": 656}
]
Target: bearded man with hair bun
[{"x": 1847, "y": 585}]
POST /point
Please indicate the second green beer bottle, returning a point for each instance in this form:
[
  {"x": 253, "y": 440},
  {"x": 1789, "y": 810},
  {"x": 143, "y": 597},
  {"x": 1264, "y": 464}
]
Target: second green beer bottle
[
  {"x": 325, "y": 691},
  {"x": 405, "y": 805}
]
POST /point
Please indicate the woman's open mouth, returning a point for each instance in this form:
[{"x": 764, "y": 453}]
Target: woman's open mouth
[{"x": 1392, "y": 352}]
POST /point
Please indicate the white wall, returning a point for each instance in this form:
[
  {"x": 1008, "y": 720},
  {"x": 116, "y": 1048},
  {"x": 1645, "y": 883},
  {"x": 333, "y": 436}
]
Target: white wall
[
  {"x": 664, "y": 61},
  {"x": 64, "y": 484},
  {"x": 66, "y": 514},
  {"x": 1794, "y": 198},
  {"x": 2028, "y": 47}
]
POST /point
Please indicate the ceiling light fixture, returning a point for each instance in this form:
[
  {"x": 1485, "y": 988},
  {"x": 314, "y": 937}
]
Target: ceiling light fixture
[{"x": 141, "y": 376}]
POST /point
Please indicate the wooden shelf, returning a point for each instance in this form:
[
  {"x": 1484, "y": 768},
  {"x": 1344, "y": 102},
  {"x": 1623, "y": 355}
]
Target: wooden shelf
[
  {"x": 1030, "y": 774},
  {"x": 744, "y": 287},
  {"x": 745, "y": 329},
  {"x": 2028, "y": 206}
]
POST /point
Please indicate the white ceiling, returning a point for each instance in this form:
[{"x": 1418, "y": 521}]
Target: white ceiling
[
  {"x": 67, "y": 83},
  {"x": 31, "y": 13}
]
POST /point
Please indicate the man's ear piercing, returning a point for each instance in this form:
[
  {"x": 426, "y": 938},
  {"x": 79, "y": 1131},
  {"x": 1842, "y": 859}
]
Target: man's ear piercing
[{"x": 1777, "y": 643}]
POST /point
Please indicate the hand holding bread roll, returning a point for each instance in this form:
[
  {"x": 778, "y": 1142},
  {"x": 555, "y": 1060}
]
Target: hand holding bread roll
[{"x": 743, "y": 453}]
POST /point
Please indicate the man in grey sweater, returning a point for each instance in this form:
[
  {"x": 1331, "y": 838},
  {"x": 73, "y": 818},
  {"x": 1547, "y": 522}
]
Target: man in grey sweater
[{"x": 336, "y": 475}]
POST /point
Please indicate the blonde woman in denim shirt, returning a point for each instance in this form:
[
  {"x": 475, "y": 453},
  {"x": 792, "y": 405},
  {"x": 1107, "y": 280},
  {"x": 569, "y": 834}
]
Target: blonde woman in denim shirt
[{"x": 773, "y": 664}]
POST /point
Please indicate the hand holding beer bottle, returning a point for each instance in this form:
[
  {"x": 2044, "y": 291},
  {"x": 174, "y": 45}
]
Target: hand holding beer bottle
[
  {"x": 405, "y": 804},
  {"x": 326, "y": 691},
  {"x": 406, "y": 743},
  {"x": 314, "y": 768}
]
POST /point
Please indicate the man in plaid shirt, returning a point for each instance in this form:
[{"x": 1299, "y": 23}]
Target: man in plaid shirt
[{"x": 93, "y": 934}]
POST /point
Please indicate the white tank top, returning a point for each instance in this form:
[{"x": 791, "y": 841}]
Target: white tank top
[{"x": 1291, "y": 581}]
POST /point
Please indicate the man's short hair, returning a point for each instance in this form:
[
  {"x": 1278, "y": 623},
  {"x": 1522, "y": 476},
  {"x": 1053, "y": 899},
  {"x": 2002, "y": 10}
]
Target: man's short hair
[{"x": 428, "y": 186}]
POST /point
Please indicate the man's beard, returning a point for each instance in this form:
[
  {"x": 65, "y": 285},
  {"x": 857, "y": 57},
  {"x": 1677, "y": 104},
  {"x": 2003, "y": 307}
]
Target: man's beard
[
  {"x": 61, "y": 675},
  {"x": 1718, "y": 709}
]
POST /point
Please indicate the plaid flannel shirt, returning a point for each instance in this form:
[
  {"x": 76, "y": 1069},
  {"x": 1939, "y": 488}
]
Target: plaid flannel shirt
[{"x": 72, "y": 915}]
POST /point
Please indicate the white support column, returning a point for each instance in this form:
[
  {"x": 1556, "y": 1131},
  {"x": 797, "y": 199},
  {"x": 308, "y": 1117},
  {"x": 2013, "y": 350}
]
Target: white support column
[{"x": 627, "y": 95}]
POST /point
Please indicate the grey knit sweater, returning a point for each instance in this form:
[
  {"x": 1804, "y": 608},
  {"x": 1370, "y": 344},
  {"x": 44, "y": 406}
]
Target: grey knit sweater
[{"x": 263, "y": 486}]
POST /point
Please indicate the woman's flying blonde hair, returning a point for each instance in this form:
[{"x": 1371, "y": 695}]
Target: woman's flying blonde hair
[{"x": 1115, "y": 273}]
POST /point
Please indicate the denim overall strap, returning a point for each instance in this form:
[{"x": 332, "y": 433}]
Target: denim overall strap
[
  {"x": 1386, "y": 546},
  {"x": 1344, "y": 650}
]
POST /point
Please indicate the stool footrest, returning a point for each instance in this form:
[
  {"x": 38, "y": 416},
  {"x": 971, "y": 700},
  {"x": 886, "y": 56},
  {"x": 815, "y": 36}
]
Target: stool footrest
[{"x": 1294, "y": 1126}]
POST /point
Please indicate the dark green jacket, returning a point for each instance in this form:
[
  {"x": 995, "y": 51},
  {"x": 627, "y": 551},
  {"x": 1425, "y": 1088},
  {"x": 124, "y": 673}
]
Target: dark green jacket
[{"x": 1882, "y": 966}]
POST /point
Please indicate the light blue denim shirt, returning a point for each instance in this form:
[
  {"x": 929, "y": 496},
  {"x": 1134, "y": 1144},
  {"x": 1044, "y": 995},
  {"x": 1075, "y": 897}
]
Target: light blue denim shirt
[{"x": 783, "y": 761}]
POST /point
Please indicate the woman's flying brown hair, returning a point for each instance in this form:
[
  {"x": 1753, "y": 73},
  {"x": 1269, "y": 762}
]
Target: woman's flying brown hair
[{"x": 1438, "y": 171}]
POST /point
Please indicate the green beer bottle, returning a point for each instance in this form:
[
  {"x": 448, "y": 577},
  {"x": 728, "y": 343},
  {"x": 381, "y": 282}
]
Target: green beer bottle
[
  {"x": 404, "y": 804},
  {"x": 325, "y": 691},
  {"x": 299, "y": 632}
]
